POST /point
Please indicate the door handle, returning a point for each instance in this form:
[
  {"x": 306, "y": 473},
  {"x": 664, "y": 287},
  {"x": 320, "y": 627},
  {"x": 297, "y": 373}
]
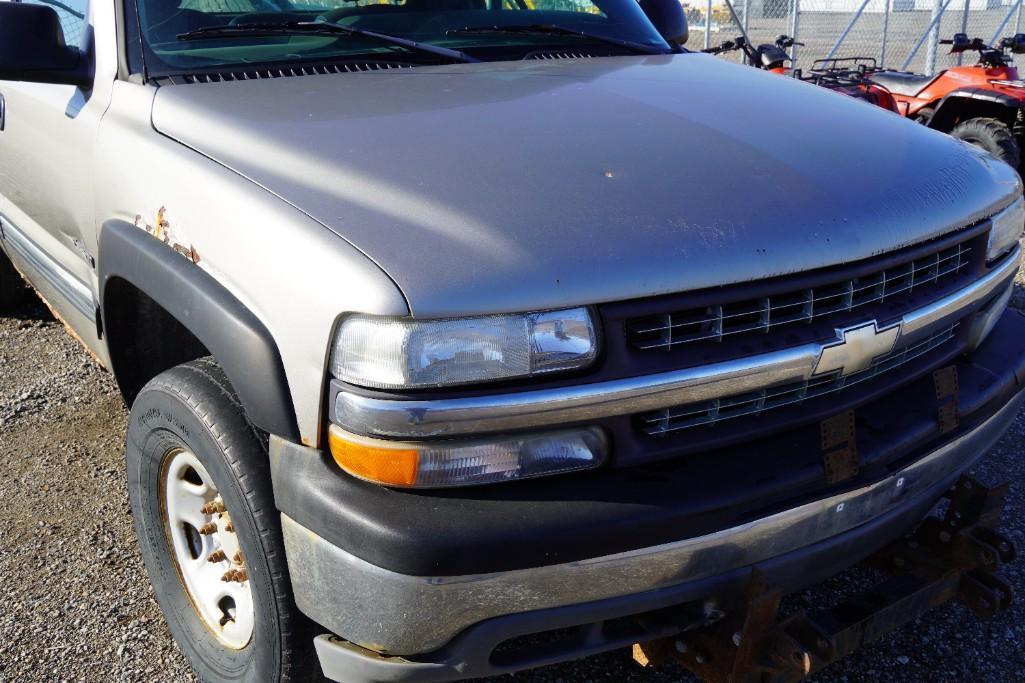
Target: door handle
[{"x": 3, "y": 112}]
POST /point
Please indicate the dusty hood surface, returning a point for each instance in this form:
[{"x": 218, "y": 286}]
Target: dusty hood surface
[{"x": 509, "y": 186}]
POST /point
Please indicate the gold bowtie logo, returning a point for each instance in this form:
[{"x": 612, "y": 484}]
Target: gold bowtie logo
[{"x": 857, "y": 348}]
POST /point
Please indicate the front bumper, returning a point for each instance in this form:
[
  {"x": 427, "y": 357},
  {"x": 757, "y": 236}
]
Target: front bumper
[{"x": 448, "y": 625}]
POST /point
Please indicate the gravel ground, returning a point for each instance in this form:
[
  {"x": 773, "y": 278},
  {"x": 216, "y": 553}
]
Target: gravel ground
[{"x": 77, "y": 604}]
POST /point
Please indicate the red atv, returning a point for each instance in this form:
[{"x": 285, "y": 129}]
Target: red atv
[
  {"x": 981, "y": 104},
  {"x": 769, "y": 56},
  {"x": 850, "y": 76},
  {"x": 847, "y": 79}
]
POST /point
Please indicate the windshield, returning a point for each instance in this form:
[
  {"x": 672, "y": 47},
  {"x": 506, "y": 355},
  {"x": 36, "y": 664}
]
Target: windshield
[{"x": 184, "y": 36}]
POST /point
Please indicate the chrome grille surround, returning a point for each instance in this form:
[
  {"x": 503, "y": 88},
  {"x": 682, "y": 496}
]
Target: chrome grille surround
[
  {"x": 757, "y": 402},
  {"x": 766, "y": 314},
  {"x": 407, "y": 417}
]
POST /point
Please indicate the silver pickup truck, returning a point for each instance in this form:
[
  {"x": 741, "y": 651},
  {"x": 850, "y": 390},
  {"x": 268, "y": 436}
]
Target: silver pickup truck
[{"x": 448, "y": 323}]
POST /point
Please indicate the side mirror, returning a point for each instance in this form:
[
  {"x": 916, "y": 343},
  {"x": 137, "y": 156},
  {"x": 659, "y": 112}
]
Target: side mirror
[
  {"x": 668, "y": 18},
  {"x": 32, "y": 47}
]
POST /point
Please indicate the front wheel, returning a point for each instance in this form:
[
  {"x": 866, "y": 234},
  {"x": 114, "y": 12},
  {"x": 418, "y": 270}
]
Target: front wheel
[
  {"x": 991, "y": 135},
  {"x": 199, "y": 483}
]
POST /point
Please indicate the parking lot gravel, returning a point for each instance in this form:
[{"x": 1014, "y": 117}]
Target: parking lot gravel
[{"x": 77, "y": 605}]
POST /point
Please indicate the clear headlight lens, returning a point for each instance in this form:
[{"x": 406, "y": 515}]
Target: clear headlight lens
[
  {"x": 1007, "y": 229},
  {"x": 388, "y": 353},
  {"x": 464, "y": 463}
]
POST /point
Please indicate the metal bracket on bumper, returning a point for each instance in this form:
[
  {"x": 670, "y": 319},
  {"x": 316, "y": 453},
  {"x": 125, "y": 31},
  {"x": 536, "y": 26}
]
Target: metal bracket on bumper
[{"x": 950, "y": 558}]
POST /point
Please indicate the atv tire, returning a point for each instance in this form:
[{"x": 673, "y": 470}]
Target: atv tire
[
  {"x": 12, "y": 287},
  {"x": 991, "y": 135}
]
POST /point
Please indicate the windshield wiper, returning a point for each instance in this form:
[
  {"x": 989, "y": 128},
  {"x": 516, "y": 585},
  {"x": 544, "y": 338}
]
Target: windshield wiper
[
  {"x": 555, "y": 30},
  {"x": 322, "y": 28}
]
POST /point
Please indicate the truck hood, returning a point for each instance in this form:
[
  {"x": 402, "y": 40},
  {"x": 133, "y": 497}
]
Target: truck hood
[{"x": 510, "y": 186}]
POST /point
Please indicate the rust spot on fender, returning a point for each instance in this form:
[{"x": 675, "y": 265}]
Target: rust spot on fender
[{"x": 161, "y": 229}]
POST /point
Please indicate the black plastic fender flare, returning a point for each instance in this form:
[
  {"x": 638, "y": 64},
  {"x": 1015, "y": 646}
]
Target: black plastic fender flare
[
  {"x": 239, "y": 341},
  {"x": 980, "y": 94}
]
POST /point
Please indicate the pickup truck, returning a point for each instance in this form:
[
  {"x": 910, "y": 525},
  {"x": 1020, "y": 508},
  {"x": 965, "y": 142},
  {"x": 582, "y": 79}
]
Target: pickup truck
[{"x": 461, "y": 336}]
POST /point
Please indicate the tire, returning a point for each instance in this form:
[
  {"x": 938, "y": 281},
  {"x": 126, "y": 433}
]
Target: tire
[
  {"x": 12, "y": 287},
  {"x": 187, "y": 426},
  {"x": 991, "y": 135}
]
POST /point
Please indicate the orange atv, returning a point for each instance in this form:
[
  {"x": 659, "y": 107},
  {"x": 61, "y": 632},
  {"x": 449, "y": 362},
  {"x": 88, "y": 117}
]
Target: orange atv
[{"x": 982, "y": 104}]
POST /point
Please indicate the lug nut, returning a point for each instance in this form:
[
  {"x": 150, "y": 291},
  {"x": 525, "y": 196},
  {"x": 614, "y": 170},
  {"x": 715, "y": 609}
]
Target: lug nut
[
  {"x": 208, "y": 528},
  {"x": 229, "y": 527},
  {"x": 238, "y": 559},
  {"x": 217, "y": 556},
  {"x": 236, "y": 575},
  {"x": 212, "y": 507}
]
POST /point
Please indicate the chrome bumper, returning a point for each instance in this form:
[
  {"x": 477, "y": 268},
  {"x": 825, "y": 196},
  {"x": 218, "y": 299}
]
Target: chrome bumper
[
  {"x": 417, "y": 419},
  {"x": 400, "y": 614}
]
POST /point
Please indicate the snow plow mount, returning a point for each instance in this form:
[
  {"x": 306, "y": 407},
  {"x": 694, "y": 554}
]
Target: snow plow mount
[{"x": 953, "y": 557}]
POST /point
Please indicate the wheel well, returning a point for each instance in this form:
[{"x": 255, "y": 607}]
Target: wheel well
[
  {"x": 143, "y": 339},
  {"x": 956, "y": 109}
]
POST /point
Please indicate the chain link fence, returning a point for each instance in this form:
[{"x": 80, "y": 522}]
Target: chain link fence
[{"x": 897, "y": 33}]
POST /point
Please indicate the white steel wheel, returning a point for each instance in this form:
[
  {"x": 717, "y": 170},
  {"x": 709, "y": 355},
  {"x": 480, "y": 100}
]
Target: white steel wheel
[{"x": 206, "y": 549}]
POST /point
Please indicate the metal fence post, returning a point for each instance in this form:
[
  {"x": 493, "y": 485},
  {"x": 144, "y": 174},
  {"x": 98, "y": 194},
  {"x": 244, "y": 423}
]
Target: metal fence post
[
  {"x": 846, "y": 31},
  {"x": 1014, "y": 7},
  {"x": 735, "y": 19},
  {"x": 708, "y": 25},
  {"x": 964, "y": 27},
  {"x": 887, "y": 6},
  {"x": 1017, "y": 19},
  {"x": 795, "y": 17},
  {"x": 930, "y": 31},
  {"x": 934, "y": 36},
  {"x": 747, "y": 13}
]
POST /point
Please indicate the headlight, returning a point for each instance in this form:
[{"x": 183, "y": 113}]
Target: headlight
[
  {"x": 1007, "y": 229},
  {"x": 389, "y": 353},
  {"x": 462, "y": 463}
]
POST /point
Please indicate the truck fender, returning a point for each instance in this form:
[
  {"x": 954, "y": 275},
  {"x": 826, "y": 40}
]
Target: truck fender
[
  {"x": 238, "y": 340},
  {"x": 947, "y": 110}
]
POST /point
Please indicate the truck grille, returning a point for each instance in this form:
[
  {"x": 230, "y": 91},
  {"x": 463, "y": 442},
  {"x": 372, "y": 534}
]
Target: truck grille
[
  {"x": 798, "y": 307},
  {"x": 754, "y": 403}
]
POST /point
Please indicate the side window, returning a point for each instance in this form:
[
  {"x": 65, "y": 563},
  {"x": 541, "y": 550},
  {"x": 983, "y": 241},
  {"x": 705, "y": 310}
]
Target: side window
[{"x": 73, "y": 16}]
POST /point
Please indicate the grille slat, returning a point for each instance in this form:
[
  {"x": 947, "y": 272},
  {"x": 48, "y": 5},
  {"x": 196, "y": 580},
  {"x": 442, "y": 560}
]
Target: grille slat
[
  {"x": 755, "y": 403},
  {"x": 675, "y": 328}
]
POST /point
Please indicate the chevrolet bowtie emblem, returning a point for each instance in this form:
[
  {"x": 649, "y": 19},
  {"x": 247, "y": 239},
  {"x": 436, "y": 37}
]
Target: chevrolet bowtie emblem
[{"x": 857, "y": 347}]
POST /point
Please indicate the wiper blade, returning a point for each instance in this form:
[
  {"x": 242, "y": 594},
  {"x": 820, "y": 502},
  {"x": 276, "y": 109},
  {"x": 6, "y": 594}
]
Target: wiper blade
[
  {"x": 555, "y": 30},
  {"x": 323, "y": 28}
]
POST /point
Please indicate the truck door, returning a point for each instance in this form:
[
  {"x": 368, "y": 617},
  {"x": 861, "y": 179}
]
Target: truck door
[{"x": 46, "y": 174}]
